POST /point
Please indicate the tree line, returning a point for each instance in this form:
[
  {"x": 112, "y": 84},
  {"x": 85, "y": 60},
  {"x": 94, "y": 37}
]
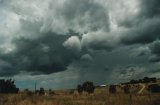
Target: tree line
[
  {"x": 8, "y": 86},
  {"x": 144, "y": 80}
]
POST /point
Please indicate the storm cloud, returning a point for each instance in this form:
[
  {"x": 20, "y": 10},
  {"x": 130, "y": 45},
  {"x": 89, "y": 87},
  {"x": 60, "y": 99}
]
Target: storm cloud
[
  {"x": 155, "y": 50},
  {"x": 78, "y": 15},
  {"x": 43, "y": 55},
  {"x": 85, "y": 37}
]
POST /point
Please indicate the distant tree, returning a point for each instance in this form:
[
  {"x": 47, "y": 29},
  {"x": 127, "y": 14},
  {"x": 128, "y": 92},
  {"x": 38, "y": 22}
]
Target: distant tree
[
  {"x": 146, "y": 80},
  {"x": 154, "y": 80},
  {"x": 41, "y": 91},
  {"x": 26, "y": 90},
  {"x": 88, "y": 87},
  {"x": 51, "y": 92},
  {"x": 112, "y": 89},
  {"x": 133, "y": 81},
  {"x": 37, "y": 92},
  {"x": 140, "y": 81},
  {"x": 79, "y": 89}
]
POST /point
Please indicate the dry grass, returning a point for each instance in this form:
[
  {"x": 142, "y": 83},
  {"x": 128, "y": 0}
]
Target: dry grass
[{"x": 101, "y": 97}]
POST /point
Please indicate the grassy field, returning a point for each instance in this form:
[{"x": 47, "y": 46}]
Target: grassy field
[{"x": 100, "y": 97}]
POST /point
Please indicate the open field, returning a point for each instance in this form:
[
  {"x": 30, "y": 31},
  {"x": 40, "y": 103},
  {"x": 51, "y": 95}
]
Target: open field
[{"x": 100, "y": 97}]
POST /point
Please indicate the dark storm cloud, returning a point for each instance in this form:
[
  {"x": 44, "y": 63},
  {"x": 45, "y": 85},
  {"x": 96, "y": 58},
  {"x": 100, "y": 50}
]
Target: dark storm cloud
[
  {"x": 155, "y": 47},
  {"x": 43, "y": 55},
  {"x": 129, "y": 72},
  {"x": 154, "y": 58},
  {"x": 155, "y": 50},
  {"x": 97, "y": 37},
  {"x": 155, "y": 71},
  {"x": 39, "y": 51},
  {"x": 150, "y": 8},
  {"x": 100, "y": 45},
  {"x": 145, "y": 32},
  {"x": 147, "y": 27},
  {"x": 97, "y": 16},
  {"x": 7, "y": 65},
  {"x": 140, "y": 24}
]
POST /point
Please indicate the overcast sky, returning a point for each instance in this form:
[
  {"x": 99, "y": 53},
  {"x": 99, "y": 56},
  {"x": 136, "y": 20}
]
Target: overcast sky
[{"x": 61, "y": 43}]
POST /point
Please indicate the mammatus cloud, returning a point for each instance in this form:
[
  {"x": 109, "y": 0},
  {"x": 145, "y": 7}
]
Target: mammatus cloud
[{"x": 78, "y": 15}]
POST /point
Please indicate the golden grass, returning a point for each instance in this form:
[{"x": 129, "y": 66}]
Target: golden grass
[{"x": 100, "y": 97}]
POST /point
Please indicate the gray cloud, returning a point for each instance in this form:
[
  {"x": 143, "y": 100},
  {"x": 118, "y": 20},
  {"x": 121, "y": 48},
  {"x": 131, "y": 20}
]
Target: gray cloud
[
  {"x": 146, "y": 32},
  {"x": 136, "y": 27},
  {"x": 79, "y": 15},
  {"x": 155, "y": 50},
  {"x": 86, "y": 57},
  {"x": 150, "y": 9},
  {"x": 43, "y": 55},
  {"x": 44, "y": 37},
  {"x": 146, "y": 29},
  {"x": 154, "y": 58},
  {"x": 155, "y": 47},
  {"x": 131, "y": 72},
  {"x": 140, "y": 51},
  {"x": 73, "y": 43}
]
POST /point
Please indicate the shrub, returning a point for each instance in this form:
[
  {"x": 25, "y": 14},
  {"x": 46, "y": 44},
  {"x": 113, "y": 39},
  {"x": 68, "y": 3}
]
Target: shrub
[{"x": 112, "y": 89}]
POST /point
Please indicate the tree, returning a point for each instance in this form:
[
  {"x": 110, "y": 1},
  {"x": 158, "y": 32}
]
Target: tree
[
  {"x": 153, "y": 80},
  {"x": 133, "y": 81},
  {"x": 8, "y": 86},
  {"x": 41, "y": 91},
  {"x": 146, "y": 80},
  {"x": 79, "y": 89},
  {"x": 112, "y": 89},
  {"x": 51, "y": 92},
  {"x": 88, "y": 87}
]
